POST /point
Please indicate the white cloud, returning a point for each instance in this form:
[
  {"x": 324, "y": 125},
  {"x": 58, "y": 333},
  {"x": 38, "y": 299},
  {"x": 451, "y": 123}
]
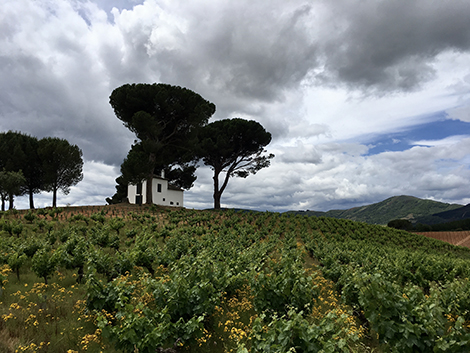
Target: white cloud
[
  {"x": 446, "y": 141},
  {"x": 461, "y": 113}
]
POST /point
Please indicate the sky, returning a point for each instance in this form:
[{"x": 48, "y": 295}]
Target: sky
[{"x": 365, "y": 99}]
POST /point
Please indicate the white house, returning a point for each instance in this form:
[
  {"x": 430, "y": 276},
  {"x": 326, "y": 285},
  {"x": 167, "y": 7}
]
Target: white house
[{"x": 163, "y": 193}]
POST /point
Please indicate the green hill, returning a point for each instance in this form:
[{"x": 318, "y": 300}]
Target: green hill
[
  {"x": 454, "y": 215},
  {"x": 396, "y": 207}
]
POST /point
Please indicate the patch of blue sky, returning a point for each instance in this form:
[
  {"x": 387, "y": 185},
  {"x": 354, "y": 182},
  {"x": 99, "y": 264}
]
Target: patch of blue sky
[{"x": 418, "y": 135}]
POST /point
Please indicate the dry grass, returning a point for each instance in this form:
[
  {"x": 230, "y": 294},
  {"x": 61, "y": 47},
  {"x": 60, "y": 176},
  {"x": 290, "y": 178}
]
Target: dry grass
[{"x": 7, "y": 342}]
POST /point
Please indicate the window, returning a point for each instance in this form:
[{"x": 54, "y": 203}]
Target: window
[
  {"x": 163, "y": 199},
  {"x": 159, "y": 187},
  {"x": 171, "y": 202},
  {"x": 177, "y": 204},
  {"x": 139, "y": 189}
]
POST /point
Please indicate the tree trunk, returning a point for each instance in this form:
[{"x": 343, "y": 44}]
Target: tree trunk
[
  {"x": 218, "y": 192},
  {"x": 54, "y": 197},
  {"x": 31, "y": 201},
  {"x": 148, "y": 190},
  {"x": 217, "y": 196},
  {"x": 10, "y": 202}
]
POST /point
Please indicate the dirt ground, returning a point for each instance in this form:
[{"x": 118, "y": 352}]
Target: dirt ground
[{"x": 461, "y": 238}]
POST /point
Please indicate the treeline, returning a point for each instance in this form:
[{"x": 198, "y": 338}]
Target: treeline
[
  {"x": 404, "y": 224},
  {"x": 29, "y": 165}
]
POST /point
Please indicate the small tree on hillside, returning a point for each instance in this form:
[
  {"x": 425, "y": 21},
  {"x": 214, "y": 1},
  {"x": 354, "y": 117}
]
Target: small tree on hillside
[
  {"x": 10, "y": 186},
  {"x": 403, "y": 224},
  {"x": 19, "y": 151},
  {"x": 62, "y": 165},
  {"x": 234, "y": 147},
  {"x": 121, "y": 192}
]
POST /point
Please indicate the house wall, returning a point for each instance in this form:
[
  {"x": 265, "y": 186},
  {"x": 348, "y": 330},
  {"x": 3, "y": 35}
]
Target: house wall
[{"x": 160, "y": 195}]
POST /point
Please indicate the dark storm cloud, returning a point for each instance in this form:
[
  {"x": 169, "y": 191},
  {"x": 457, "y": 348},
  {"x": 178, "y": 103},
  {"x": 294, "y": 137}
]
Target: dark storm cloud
[
  {"x": 260, "y": 54},
  {"x": 53, "y": 84},
  {"x": 246, "y": 54},
  {"x": 243, "y": 50},
  {"x": 391, "y": 45}
]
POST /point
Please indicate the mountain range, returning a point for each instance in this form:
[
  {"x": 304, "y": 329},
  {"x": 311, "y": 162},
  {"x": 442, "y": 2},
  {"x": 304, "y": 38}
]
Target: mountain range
[{"x": 399, "y": 207}]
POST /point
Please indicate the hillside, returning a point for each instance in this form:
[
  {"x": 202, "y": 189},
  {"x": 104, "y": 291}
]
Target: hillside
[
  {"x": 396, "y": 207},
  {"x": 147, "y": 279},
  {"x": 453, "y": 215}
]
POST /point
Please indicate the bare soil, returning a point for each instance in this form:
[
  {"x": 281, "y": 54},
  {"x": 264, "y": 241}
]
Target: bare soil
[
  {"x": 461, "y": 238},
  {"x": 115, "y": 210}
]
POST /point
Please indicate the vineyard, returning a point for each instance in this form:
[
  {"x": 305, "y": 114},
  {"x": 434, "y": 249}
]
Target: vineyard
[{"x": 151, "y": 279}]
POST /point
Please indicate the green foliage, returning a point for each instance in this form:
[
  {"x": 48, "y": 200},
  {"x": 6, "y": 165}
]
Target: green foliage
[
  {"x": 13, "y": 228},
  {"x": 75, "y": 255},
  {"x": 31, "y": 165},
  {"x": 17, "y": 229},
  {"x": 400, "y": 285},
  {"x": 98, "y": 217},
  {"x": 422, "y": 227},
  {"x": 54, "y": 212},
  {"x": 30, "y": 216},
  {"x": 463, "y": 224},
  {"x": 283, "y": 284},
  {"x": 8, "y": 227},
  {"x": 18, "y": 152},
  {"x": 117, "y": 224},
  {"x": 15, "y": 261},
  {"x": 294, "y": 332},
  {"x": 10, "y": 185},
  {"x": 62, "y": 165},
  {"x": 403, "y": 224},
  {"x": 31, "y": 247},
  {"x": 44, "y": 262}
]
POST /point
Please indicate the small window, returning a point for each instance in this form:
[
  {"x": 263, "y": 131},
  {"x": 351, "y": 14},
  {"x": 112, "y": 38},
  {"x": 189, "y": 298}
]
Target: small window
[
  {"x": 159, "y": 187},
  {"x": 177, "y": 204},
  {"x": 163, "y": 199},
  {"x": 171, "y": 202}
]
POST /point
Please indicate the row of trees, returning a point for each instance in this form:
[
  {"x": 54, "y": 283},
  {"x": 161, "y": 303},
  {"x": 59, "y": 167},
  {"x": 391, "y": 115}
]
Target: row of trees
[
  {"x": 29, "y": 165},
  {"x": 171, "y": 125}
]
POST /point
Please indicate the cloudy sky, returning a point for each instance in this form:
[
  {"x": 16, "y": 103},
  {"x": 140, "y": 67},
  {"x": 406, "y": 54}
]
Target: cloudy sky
[{"x": 365, "y": 99}]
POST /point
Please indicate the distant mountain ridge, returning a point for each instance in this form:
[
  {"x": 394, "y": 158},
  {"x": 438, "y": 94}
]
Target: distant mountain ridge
[{"x": 406, "y": 207}]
